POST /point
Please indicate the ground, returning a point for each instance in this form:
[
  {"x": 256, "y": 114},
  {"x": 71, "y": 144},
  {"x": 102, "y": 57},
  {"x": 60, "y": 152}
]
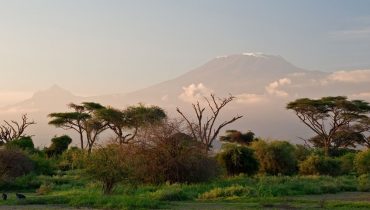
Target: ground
[{"x": 345, "y": 200}]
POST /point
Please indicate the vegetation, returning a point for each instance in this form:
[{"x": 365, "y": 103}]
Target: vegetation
[{"x": 152, "y": 161}]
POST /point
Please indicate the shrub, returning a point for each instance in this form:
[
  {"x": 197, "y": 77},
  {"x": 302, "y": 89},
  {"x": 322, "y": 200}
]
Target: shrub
[
  {"x": 302, "y": 152},
  {"x": 23, "y": 143},
  {"x": 319, "y": 165},
  {"x": 42, "y": 165},
  {"x": 58, "y": 145},
  {"x": 44, "y": 189},
  {"x": 170, "y": 194},
  {"x": 73, "y": 158},
  {"x": 108, "y": 166},
  {"x": 13, "y": 163},
  {"x": 275, "y": 158},
  {"x": 170, "y": 156},
  {"x": 362, "y": 162},
  {"x": 363, "y": 183},
  {"x": 347, "y": 162},
  {"x": 238, "y": 159},
  {"x": 227, "y": 192}
]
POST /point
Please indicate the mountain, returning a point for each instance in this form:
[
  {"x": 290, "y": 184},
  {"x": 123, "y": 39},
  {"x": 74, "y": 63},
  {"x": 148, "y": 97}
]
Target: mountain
[{"x": 263, "y": 85}]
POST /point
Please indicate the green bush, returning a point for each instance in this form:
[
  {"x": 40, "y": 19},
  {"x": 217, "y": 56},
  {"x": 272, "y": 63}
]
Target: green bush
[
  {"x": 227, "y": 192},
  {"x": 58, "y": 145},
  {"x": 277, "y": 157},
  {"x": 170, "y": 194},
  {"x": 43, "y": 165},
  {"x": 347, "y": 162},
  {"x": 319, "y": 165},
  {"x": 362, "y": 162},
  {"x": 23, "y": 143},
  {"x": 363, "y": 183},
  {"x": 73, "y": 158},
  {"x": 238, "y": 159}
]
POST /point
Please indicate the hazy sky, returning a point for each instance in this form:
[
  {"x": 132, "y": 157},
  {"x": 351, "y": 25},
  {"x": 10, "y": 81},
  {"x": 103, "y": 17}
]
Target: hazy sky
[{"x": 96, "y": 47}]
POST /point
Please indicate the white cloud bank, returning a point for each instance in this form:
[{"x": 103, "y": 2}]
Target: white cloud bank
[
  {"x": 356, "y": 76},
  {"x": 194, "y": 92},
  {"x": 274, "y": 87}
]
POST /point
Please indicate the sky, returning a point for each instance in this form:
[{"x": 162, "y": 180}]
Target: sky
[{"x": 96, "y": 47}]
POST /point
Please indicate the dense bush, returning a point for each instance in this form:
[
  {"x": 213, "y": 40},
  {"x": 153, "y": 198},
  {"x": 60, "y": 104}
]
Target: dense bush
[
  {"x": 363, "y": 183},
  {"x": 43, "y": 165},
  {"x": 238, "y": 159},
  {"x": 23, "y": 143},
  {"x": 362, "y": 162},
  {"x": 108, "y": 166},
  {"x": 347, "y": 162},
  {"x": 302, "y": 152},
  {"x": 170, "y": 156},
  {"x": 13, "y": 163},
  {"x": 277, "y": 157},
  {"x": 73, "y": 158},
  {"x": 320, "y": 165},
  {"x": 58, "y": 145}
]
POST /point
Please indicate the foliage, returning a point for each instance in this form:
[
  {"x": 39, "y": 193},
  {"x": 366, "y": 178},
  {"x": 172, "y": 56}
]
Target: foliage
[
  {"x": 277, "y": 157},
  {"x": 228, "y": 192},
  {"x": 43, "y": 165},
  {"x": 363, "y": 182},
  {"x": 347, "y": 163},
  {"x": 170, "y": 156},
  {"x": 302, "y": 152},
  {"x": 320, "y": 165},
  {"x": 108, "y": 166},
  {"x": 362, "y": 162},
  {"x": 13, "y": 163},
  {"x": 23, "y": 143},
  {"x": 238, "y": 159},
  {"x": 73, "y": 158},
  {"x": 328, "y": 116},
  {"x": 58, "y": 145},
  {"x": 234, "y": 136}
]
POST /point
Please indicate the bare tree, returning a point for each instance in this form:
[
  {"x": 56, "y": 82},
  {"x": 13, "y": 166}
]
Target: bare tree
[
  {"x": 205, "y": 129},
  {"x": 13, "y": 129}
]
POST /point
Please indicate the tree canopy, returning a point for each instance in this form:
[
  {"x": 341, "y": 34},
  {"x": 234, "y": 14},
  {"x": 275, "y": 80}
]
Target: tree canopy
[{"x": 330, "y": 115}]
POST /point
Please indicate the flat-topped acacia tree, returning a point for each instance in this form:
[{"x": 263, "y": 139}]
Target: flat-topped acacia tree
[{"x": 329, "y": 115}]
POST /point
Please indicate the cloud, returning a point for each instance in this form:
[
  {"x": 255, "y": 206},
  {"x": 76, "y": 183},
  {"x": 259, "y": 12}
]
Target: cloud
[
  {"x": 356, "y": 76},
  {"x": 273, "y": 87},
  {"x": 193, "y": 92},
  {"x": 363, "y": 96},
  {"x": 248, "y": 98}
]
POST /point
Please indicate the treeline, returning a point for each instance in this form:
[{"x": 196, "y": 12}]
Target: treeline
[{"x": 148, "y": 147}]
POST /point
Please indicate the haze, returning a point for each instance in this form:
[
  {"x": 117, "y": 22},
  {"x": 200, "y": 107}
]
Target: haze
[{"x": 99, "y": 47}]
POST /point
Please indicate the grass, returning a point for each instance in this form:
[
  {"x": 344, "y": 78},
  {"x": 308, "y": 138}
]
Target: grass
[{"x": 240, "y": 192}]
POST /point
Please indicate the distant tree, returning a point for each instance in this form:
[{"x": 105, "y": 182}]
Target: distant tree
[
  {"x": 125, "y": 123},
  {"x": 328, "y": 115},
  {"x": 75, "y": 120},
  {"x": 83, "y": 120},
  {"x": 204, "y": 129},
  {"x": 58, "y": 145},
  {"x": 14, "y": 130},
  {"x": 234, "y": 136}
]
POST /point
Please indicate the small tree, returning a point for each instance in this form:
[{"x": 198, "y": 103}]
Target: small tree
[
  {"x": 238, "y": 159},
  {"x": 205, "y": 129},
  {"x": 328, "y": 115},
  {"x": 277, "y": 157},
  {"x": 14, "y": 130},
  {"x": 108, "y": 166},
  {"x": 58, "y": 145}
]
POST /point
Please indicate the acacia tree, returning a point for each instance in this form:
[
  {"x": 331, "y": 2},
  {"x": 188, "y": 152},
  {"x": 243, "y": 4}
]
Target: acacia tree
[
  {"x": 329, "y": 115},
  {"x": 83, "y": 120},
  {"x": 204, "y": 129},
  {"x": 74, "y": 120},
  {"x": 14, "y": 130},
  {"x": 125, "y": 123}
]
